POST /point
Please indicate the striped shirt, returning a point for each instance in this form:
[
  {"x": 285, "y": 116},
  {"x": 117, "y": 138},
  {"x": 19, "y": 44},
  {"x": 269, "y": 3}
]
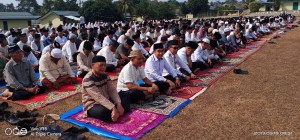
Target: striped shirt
[{"x": 98, "y": 90}]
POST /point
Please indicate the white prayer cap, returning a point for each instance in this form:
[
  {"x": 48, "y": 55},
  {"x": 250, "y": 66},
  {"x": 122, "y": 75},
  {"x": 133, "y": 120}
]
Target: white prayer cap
[
  {"x": 168, "y": 32},
  {"x": 206, "y": 40},
  {"x": 56, "y": 53},
  {"x": 127, "y": 34},
  {"x": 72, "y": 36},
  {"x": 132, "y": 26},
  {"x": 221, "y": 22},
  {"x": 214, "y": 31},
  {"x": 257, "y": 24},
  {"x": 226, "y": 30},
  {"x": 226, "y": 22},
  {"x": 238, "y": 21}
]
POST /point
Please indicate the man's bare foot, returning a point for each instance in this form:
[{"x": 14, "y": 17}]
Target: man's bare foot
[{"x": 6, "y": 94}]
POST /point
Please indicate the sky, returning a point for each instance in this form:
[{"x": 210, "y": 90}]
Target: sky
[{"x": 40, "y": 2}]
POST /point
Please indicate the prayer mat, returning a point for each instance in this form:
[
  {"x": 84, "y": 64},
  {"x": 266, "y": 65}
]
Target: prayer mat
[
  {"x": 186, "y": 92},
  {"x": 132, "y": 125},
  {"x": 42, "y": 100},
  {"x": 165, "y": 105}
]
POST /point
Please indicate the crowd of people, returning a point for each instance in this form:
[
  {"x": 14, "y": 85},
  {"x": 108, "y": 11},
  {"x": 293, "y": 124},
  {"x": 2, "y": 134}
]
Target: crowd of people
[{"x": 162, "y": 53}]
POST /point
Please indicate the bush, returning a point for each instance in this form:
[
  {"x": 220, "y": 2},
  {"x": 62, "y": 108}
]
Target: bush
[{"x": 254, "y": 6}]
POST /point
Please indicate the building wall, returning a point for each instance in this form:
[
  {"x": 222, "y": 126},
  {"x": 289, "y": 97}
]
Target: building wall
[
  {"x": 286, "y": 6},
  {"x": 15, "y": 23},
  {"x": 262, "y": 9},
  {"x": 55, "y": 19}
]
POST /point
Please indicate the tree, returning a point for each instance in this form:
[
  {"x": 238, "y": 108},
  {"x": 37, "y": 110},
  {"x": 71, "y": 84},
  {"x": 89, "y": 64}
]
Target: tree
[
  {"x": 28, "y": 6},
  {"x": 184, "y": 9},
  {"x": 72, "y": 5},
  {"x": 69, "y": 5},
  {"x": 198, "y": 6},
  {"x": 231, "y": 2},
  {"x": 94, "y": 10},
  {"x": 7, "y": 8},
  {"x": 254, "y": 6},
  {"x": 126, "y": 6}
]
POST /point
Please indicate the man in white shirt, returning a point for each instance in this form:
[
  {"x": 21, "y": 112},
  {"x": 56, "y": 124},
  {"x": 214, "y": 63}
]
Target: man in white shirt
[
  {"x": 200, "y": 56},
  {"x": 107, "y": 40},
  {"x": 138, "y": 46},
  {"x": 188, "y": 34},
  {"x": 61, "y": 39},
  {"x": 109, "y": 53},
  {"x": 163, "y": 41},
  {"x": 69, "y": 49},
  {"x": 23, "y": 40},
  {"x": 185, "y": 55},
  {"x": 130, "y": 74},
  {"x": 37, "y": 45},
  {"x": 122, "y": 39},
  {"x": 31, "y": 34},
  {"x": 176, "y": 63},
  {"x": 11, "y": 38},
  {"x": 154, "y": 67},
  {"x": 31, "y": 58}
]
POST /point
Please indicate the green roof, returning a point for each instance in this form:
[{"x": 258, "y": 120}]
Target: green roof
[{"x": 17, "y": 16}]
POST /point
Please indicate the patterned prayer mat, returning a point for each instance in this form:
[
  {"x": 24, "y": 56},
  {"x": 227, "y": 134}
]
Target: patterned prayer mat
[
  {"x": 132, "y": 125},
  {"x": 187, "y": 92},
  {"x": 166, "y": 105},
  {"x": 42, "y": 100}
]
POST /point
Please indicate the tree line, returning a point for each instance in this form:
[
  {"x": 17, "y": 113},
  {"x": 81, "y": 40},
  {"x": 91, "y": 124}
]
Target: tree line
[{"x": 112, "y": 10}]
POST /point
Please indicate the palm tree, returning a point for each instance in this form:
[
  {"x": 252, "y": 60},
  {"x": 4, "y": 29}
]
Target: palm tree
[{"x": 126, "y": 6}]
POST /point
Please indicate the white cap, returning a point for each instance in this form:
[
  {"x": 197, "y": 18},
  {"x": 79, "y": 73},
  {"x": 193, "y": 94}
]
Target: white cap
[
  {"x": 238, "y": 21},
  {"x": 168, "y": 32},
  {"x": 221, "y": 22},
  {"x": 214, "y": 31},
  {"x": 226, "y": 30},
  {"x": 226, "y": 22},
  {"x": 56, "y": 53},
  {"x": 257, "y": 24},
  {"x": 206, "y": 40}
]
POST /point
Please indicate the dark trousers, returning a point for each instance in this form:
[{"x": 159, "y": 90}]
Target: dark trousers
[
  {"x": 162, "y": 86},
  {"x": 102, "y": 113},
  {"x": 110, "y": 68},
  {"x": 22, "y": 94},
  {"x": 170, "y": 77},
  {"x": 184, "y": 72},
  {"x": 199, "y": 65},
  {"x": 75, "y": 56},
  {"x": 82, "y": 74},
  {"x": 213, "y": 62}
]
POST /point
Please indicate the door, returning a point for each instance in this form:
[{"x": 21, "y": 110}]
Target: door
[
  {"x": 295, "y": 5},
  {"x": 5, "y": 25}
]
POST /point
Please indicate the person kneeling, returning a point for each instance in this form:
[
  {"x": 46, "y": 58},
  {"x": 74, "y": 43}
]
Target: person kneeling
[
  {"x": 99, "y": 97},
  {"x": 55, "y": 70},
  {"x": 130, "y": 74},
  {"x": 20, "y": 77},
  {"x": 84, "y": 59},
  {"x": 154, "y": 67},
  {"x": 108, "y": 53}
]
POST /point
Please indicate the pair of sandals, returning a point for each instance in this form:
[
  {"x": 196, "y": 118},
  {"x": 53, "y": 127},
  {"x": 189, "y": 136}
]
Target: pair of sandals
[{"x": 240, "y": 71}]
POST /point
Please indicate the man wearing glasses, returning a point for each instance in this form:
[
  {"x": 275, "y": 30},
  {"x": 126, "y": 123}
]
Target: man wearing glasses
[{"x": 176, "y": 63}]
